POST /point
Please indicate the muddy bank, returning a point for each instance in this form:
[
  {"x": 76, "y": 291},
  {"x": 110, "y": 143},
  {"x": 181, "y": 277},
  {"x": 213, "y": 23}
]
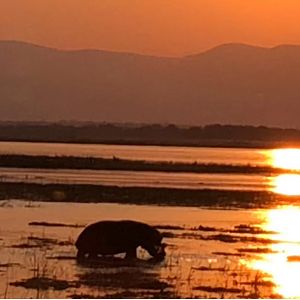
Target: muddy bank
[
  {"x": 117, "y": 164},
  {"x": 142, "y": 195}
]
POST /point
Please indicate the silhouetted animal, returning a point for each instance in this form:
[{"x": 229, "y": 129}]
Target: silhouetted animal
[{"x": 113, "y": 237}]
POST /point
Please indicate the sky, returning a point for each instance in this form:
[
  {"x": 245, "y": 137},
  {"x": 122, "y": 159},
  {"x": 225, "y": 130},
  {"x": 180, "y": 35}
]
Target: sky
[{"x": 155, "y": 27}]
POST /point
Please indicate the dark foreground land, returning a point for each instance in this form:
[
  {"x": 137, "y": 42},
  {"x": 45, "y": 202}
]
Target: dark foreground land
[{"x": 143, "y": 195}]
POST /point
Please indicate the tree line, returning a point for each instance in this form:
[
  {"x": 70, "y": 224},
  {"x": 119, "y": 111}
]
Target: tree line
[{"x": 215, "y": 134}]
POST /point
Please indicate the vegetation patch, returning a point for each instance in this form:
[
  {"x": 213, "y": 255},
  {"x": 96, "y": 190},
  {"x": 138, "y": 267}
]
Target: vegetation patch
[
  {"x": 228, "y": 238},
  {"x": 218, "y": 290},
  {"x": 98, "y": 163},
  {"x": 43, "y": 283},
  {"x": 48, "y": 241},
  {"x": 227, "y": 254},
  {"x": 128, "y": 294},
  {"x": 259, "y": 283},
  {"x": 256, "y": 250},
  {"x": 49, "y": 224},
  {"x": 169, "y": 227},
  {"x": 250, "y": 229},
  {"x": 241, "y": 229},
  {"x": 25, "y": 246},
  {"x": 9, "y": 265},
  {"x": 41, "y": 242},
  {"x": 213, "y": 269},
  {"x": 62, "y": 257},
  {"x": 205, "y": 228}
]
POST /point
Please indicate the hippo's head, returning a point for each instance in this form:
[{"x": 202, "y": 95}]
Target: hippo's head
[{"x": 153, "y": 244}]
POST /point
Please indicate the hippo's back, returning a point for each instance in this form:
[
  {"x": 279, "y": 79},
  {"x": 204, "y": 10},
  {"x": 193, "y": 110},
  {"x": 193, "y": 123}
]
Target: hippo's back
[{"x": 112, "y": 237}]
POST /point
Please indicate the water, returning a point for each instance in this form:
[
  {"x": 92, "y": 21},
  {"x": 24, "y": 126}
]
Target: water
[
  {"x": 141, "y": 179},
  {"x": 235, "y": 253},
  {"x": 147, "y": 179},
  {"x": 194, "y": 257}
]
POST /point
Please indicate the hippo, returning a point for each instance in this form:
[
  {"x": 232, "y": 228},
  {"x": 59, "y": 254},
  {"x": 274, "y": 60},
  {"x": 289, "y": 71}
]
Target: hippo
[{"x": 114, "y": 237}]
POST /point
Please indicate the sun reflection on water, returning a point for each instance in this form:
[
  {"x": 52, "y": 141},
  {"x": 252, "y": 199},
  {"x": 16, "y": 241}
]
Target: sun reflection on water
[
  {"x": 287, "y": 184},
  {"x": 287, "y": 159},
  {"x": 284, "y": 274}
]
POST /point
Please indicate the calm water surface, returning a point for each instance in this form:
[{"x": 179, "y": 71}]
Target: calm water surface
[
  {"x": 237, "y": 262},
  {"x": 281, "y": 158},
  {"x": 189, "y": 252},
  {"x": 141, "y": 179}
]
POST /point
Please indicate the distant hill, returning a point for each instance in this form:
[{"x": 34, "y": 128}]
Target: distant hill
[{"x": 233, "y": 83}]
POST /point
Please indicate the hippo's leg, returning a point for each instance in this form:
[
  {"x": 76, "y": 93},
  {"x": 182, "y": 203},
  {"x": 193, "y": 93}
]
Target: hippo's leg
[
  {"x": 107, "y": 255},
  {"x": 93, "y": 255},
  {"x": 131, "y": 253}
]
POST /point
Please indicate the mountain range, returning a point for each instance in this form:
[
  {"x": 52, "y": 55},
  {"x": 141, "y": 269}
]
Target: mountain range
[{"x": 229, "y": 84}]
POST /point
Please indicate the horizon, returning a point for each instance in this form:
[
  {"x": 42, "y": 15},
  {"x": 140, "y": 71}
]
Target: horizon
[
  {"x": 169, "y": 28},
  {"x": 219, "y": 46},
  {"x": 137, "y": 124}
]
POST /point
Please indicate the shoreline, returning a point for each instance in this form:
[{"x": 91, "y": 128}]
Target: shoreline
[
  {"x": 235, "y": 144},
  {"x": 86, "y": 193},
  {"x": 117, "y": 164}
]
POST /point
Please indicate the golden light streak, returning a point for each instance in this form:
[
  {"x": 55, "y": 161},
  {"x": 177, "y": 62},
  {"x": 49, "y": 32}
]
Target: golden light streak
[
  {"x": 286, "y": 159},
  {"x": 284, "y": 274},
  {"x": 287, "y": 184}
]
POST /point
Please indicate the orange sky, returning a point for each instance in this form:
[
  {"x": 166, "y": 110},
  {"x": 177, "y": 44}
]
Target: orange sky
[{"x": 159, "y": 27}]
